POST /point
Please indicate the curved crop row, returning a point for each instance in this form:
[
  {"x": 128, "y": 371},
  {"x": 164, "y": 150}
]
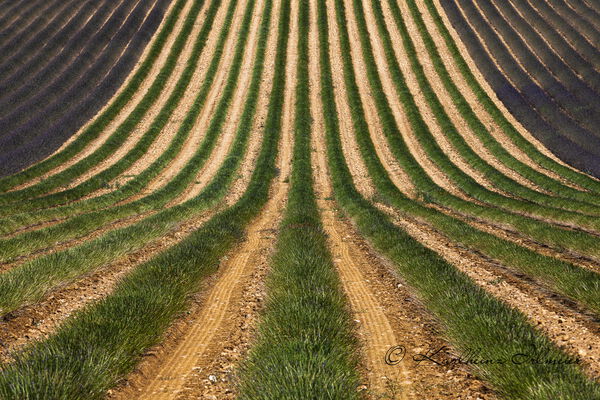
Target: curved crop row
[
  {"x": 124, "y": 240},
  {"x": 9, "y": 13},
  {"x": 99, "y": 180},
  {"x": 571, "y": 55},
  {"x": 588, "y": 24},
  {"x": 497, "y": 248},
  {"x": 43, "y": 84},
  {"x": 142, "y": 179},
  {"x": 85, "y": 223},
  {"x": 576, "y": 282},
  {"x": 87, "y": 21},
  {"x": 42, "y": 92},
  {"x": 556, "y": 104},
  {"x": 542, "y": 231},
  {"x": 554, "y": 77},
  {"x": 472, "y": 119},
  {"x": 51, "y": 15},
  {"x": 451, "y": 132},
  {"x": 468, "y": 233},
  {"x": 305, "y": 339},
  {"x": 125, "y": 128},
  {"x": 135, "y": 185},
  {"x": 570, "y": 31}
]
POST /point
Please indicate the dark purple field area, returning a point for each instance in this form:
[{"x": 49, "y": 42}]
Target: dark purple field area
[
  {"x": 542, "y": 60},
  {"x": 62, "y": 61}
]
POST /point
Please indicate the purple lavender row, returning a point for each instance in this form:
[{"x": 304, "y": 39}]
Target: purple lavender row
[
  {"x": 41, "y": 29},
  {"x": 528, "y": 103},
  {"x": 53, "y": 137}
]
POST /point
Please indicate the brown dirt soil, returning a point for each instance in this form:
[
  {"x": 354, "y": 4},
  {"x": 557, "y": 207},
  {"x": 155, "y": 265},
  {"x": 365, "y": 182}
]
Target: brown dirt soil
[
  {"x": 42, "y": 318},
  {"x": 349, "y": 144},
  {"x": 5, "y": 266},
  {"x": 187, "y": 152},
  {"x": 184, "y": 362},
  {"x": 386, "y": 313},
  {"x": 127, "y": 109},
  {"x": 188, "y": 148},
  {"x": 367, "y": 191},
  {"x": 203, "y": 179},
  {"x": 39, "y": 320},
  {"x": 162, "y": 140},
  {"x": 425, "y": 163},
  {"x": 508, "y": 233},
  {"x": 199, "y": 130},
  {"x": 567, "y": 324},
  {"x": 188, "y": 356},
  {"x": 500, "y": 136},
  {"x": 232, "y": 120}
]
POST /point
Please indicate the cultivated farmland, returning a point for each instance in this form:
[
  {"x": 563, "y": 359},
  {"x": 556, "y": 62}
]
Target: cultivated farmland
[{"x": 300, "y": 199}]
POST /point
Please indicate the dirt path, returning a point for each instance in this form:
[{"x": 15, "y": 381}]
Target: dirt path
[
  {"x": 386, "y": 313},
  {"x": 38, "y": 320},
  {"x": 42, "y": 318},
  {"x": 183, "y": 370},
  {"x": 484, "y": 116},
  {"x": 130, "y": 105},
  {"x": 189, "y": 354}
]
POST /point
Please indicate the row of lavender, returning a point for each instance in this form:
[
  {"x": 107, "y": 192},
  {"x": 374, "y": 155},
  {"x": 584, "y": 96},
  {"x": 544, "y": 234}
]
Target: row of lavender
[
  {"x": 542, "y": 61},
  {"x": 63, "y": 60}
]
